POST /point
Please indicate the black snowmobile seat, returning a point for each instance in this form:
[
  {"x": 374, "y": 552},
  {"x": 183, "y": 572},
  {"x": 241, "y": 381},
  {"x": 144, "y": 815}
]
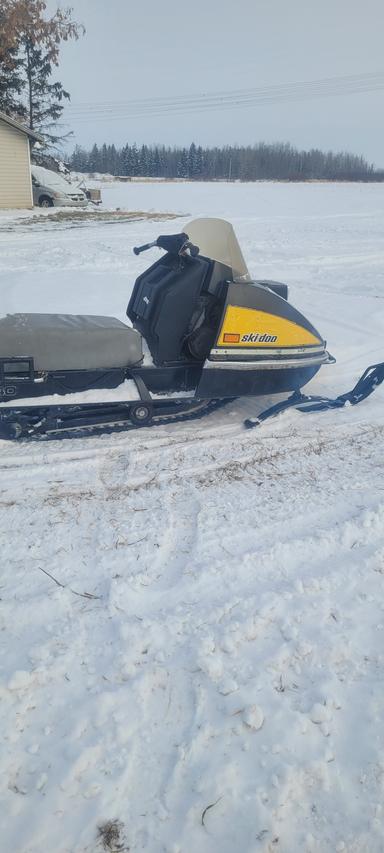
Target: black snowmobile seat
[{"x": 70, "y": 341}]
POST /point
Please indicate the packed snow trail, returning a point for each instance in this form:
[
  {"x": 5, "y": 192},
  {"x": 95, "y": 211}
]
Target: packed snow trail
[{"x": 192, "y": 615}]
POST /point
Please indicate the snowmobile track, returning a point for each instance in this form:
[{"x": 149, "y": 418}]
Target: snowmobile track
[{"x": 90, "y": 432}]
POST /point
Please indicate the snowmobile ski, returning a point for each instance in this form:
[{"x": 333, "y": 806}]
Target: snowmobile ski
[{"x": 372, "y": 377}]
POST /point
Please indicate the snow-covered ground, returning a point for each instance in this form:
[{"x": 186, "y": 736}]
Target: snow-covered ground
[{"x": 210, "y": 672}]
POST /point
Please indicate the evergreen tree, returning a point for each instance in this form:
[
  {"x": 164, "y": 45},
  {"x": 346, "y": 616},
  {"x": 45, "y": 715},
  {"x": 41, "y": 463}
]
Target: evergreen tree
[
  {"x": 183, "y": 164},
  {"x": 126, "y": 161},
  {"x": 144, "y": 161},
  {"x": 79, "y": 160},
  {"x": 94, "y": 160},
  {"x": 199, "y": 160},
  {"x": 151, "y": 168},
  {"x": 30, "y": 45},
  {"x": 157, "y": 164},
  {"x": 192, "y": 161},
  {"x": 11, "y": 79},
  {"x": 44, "y": 98},
  {"x": 135, "y": 161},
  {"x": 246, "y": 163},
  {"x": 103, "y": 164},
  {"x": 114, "y": 161}
]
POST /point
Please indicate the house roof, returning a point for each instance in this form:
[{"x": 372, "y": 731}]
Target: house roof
[{"x": 22, "y": 127}]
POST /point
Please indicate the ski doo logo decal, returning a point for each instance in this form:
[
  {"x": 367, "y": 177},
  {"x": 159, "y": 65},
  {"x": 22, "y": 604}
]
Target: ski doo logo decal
[
  {"x": 261, "y": 339},
  {"x": 247, "y": 327}
]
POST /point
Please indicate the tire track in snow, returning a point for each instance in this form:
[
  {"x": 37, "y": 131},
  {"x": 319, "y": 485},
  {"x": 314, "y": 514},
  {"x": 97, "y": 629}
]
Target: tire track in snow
[{"x": 177, "y": 541}]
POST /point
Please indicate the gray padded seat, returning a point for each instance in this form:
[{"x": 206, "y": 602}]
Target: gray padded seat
[{"x": 69, "y": 341}]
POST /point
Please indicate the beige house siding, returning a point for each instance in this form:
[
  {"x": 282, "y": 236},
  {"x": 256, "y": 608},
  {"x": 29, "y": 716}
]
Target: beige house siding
[{"x": 15, "y": 169}]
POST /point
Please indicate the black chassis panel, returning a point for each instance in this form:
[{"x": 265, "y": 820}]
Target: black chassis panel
[
  {"x": 58, "y": 382},
  {"x": 226, "y": 382},
  {"x": 171, "y": 378}
]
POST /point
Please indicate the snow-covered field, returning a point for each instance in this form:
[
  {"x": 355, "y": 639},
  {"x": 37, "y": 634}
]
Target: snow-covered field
[{"x": 210, "y": 673}]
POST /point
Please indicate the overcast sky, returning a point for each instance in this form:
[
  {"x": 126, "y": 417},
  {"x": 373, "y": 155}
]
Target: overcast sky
[{"x": 151, "y": 49}]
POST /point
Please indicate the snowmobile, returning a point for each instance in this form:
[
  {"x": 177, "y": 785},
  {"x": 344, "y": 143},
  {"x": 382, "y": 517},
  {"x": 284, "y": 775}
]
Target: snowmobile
[{"x": 203, "y": 332}]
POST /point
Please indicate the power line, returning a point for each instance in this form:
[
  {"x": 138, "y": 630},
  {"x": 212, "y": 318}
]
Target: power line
[
  {"x": 355, "y": 79},
  {"x": 224, "y": 100}
]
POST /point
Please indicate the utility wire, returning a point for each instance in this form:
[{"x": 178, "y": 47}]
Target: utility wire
[
  {"x": 224, "y": 100},
  {"x": 371, "y": 78}
]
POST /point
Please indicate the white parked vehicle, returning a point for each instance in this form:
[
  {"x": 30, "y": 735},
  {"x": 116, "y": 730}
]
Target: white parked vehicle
[{"x": 52, "y": 190}]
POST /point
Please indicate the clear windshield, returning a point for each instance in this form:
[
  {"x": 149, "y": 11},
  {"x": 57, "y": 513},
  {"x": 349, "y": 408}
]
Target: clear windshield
[{"x": 216, "y": 239}]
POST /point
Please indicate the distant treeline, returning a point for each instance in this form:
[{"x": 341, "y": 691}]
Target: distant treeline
[{"x": 245, "y": 163}]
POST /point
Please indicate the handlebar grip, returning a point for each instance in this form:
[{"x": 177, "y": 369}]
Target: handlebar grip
[
  {"x": 139, "y": 249},
  {"x": 194, "y": 250},
  {"x": 175, "y": 244}
]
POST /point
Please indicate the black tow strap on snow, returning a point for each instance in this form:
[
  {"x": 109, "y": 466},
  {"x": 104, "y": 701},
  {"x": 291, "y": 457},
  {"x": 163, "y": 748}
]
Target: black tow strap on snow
[{"x": 372, "y": 377}]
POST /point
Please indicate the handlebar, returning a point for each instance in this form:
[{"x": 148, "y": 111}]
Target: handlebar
[
  {"x": 193, "y": 250},
  {"x": 175, "y": 244},
  {"x": 139, "y": 249}
]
